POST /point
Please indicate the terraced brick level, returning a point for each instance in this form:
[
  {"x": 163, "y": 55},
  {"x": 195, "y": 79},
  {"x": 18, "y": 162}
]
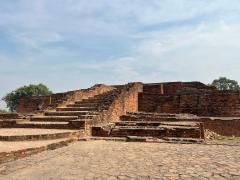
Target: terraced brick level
[{"x": 152, "y": 125}]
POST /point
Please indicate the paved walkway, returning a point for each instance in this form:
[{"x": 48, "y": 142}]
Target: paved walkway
[{"x": 121, "y": 160}]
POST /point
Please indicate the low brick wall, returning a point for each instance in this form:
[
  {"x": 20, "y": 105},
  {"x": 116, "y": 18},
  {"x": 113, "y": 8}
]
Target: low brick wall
[{"x": 30, "y": 105}]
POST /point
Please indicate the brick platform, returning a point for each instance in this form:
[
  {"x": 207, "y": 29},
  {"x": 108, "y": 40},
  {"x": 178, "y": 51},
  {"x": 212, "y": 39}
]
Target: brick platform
[{"x": 140, "y": 126}]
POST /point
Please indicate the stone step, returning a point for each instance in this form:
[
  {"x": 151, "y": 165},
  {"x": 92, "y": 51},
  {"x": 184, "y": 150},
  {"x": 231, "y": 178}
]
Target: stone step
[
  {"x": 149, "y": 118},
  {"x": 47, "y": 125},
  {"x": 87, "y": 116},
  {"x": 90, "y": 101},
  {"x": 66, "y": 113},
  {"x": 157, "y": 123},
  {"x": 43, "y": 124},
  {"x": 76, "y": 109},
  {"x": 156, "y": 132},
  {"x": 87, "y": 104},
  {"x": 97, "y": 98},
  {"x": 89, "y": 108},
  {"x": 159, "y": 132},
  {"x": 91, "y": 105},
  {"x": 54, "y": 118},
  {"x": 151, "y": 114},
  {"x": 95, "y": 101},
  {"x": 36, "y": 134}
]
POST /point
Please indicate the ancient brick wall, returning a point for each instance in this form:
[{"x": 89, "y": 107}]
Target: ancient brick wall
[
  {"x": 202, "y": 103},
  {"x": 173, "y": 87},
  {"x": 30, "y": 104}
]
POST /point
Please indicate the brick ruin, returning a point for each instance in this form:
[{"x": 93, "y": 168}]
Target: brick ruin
[
  {"x": 161, "y": 110},
  {"x": 174, "y": 111}
]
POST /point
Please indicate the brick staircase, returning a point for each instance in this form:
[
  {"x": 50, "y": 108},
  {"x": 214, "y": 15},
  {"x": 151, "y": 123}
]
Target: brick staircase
[
  {"x": 72, "y": 115},
  {"x": 152, "y": 125}
]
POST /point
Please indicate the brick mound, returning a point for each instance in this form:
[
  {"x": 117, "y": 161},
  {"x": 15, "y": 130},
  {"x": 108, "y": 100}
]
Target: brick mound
[{"x": 170, "y": 127}]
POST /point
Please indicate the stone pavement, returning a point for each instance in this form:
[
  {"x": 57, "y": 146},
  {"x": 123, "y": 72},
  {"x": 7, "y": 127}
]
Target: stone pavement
[{"x": 122, "y": 160}]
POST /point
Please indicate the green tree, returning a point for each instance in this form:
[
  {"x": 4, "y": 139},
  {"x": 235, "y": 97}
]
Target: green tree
[
  {"x": 13, "y": 97},
  {"x": 224, "y": 83}
]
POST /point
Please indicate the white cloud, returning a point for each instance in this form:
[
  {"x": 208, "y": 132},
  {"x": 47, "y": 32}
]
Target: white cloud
[
  {"x": 36, "y": 41},
  {"x": 70, "y": 44},
  {"x": 200, "y": 53}
]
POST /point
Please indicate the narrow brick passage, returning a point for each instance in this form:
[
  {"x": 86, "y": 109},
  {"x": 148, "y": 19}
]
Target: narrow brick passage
[{"x": 121, "y": 160}]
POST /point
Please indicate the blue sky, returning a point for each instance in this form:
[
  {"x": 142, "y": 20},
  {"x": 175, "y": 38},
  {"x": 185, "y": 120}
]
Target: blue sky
[{"x": 73, "y": 44}]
